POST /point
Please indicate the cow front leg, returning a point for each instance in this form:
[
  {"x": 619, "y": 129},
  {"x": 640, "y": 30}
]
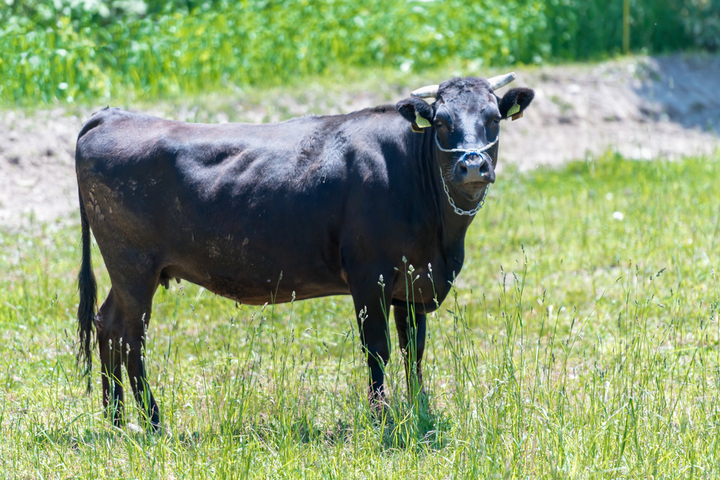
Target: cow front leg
[
  {"x": 374, "y": 333},
  {"x": 372, "y": 307},
  {"x": 411, "y": 328}
]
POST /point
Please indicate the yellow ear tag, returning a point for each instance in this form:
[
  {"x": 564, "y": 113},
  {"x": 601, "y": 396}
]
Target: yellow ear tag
[
  {"x": 513, "y": 110},
  {"x": 421, "y": 121}
]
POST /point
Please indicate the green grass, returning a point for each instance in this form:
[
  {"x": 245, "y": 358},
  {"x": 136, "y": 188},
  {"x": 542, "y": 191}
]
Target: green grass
[{"x": 575, "y": 345}]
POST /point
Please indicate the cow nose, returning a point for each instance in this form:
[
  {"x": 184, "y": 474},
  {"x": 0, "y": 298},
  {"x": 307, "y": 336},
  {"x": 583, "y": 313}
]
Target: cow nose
[{"x": 476, "y": 168}]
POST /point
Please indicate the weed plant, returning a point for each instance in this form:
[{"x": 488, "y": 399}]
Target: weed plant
[{"x": 580, "y": 341}]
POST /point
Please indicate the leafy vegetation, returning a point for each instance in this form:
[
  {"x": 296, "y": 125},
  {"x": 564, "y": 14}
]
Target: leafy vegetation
[
  {"x": 93, "y": 50},
  {"x": 581, "y": 342},
  {"x": 580, "y": 29}
]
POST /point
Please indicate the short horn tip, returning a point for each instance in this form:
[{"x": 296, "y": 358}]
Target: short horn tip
[
  {"x": 501, "y": 80},
  {"x": 429, "y": 91}
]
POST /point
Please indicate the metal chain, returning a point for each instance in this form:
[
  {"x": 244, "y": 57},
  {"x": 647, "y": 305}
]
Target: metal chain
[{"x": 458, "y": 210}]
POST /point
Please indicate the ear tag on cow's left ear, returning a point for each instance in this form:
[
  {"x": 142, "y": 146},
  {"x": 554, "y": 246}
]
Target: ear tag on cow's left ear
[
  {"x": 421, "y": 121},
  {"x": 514, "y": 111}
]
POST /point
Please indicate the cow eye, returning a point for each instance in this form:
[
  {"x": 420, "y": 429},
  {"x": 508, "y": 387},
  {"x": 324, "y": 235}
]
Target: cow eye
[
  {"x": 442, "y": 120},
  {"x": 443, "y": 124}
]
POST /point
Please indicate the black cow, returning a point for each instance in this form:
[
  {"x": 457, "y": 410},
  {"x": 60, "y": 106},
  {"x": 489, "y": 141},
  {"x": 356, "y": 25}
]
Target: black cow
[{"x": 314, "y": 206}]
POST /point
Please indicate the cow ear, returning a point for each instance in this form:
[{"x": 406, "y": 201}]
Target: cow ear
[
  {"x": 412, "y": 108},
  {"x": 515, "y": 101}
]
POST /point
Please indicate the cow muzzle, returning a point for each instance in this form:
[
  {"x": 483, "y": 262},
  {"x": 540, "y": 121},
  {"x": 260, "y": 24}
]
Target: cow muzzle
[{"x": 475, "y": 171}]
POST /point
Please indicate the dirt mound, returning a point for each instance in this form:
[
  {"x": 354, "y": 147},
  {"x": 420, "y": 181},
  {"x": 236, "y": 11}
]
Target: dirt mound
[
  {"x": 643, "y": 107},
  {"x": 37, "y": 165}
]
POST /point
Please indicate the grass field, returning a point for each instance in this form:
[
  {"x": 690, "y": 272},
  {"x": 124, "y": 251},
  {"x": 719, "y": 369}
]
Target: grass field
[{"x": 581, "y": 341}]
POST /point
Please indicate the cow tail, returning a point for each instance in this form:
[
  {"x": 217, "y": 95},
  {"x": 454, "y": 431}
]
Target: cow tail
[{"x": 87, "y": 286}]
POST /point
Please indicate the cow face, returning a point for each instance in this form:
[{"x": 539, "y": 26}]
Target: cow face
[{"x": 465, "y": 123}]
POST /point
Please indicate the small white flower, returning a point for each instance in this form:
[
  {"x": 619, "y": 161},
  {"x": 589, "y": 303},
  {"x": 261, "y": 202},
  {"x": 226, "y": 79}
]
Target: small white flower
[
  {"x": 608, "y": 196},
  {"x": 618, "y": 216},
  {"x": 135, "y": 428},
  {"x": 63, "y": 86}
]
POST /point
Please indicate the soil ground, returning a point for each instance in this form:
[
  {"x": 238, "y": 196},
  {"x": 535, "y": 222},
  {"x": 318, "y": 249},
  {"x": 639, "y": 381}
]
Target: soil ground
[{"x": 642, "y": 107}]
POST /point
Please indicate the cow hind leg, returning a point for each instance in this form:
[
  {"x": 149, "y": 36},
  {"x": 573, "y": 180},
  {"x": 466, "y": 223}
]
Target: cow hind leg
[
  {"x": 135, "y": 364},
  {"x": 137, "y": 317},
  {"x": 109, "y": 335},
  {"x": 411, "y": 328},
  {"x": 132, "y": 307}
]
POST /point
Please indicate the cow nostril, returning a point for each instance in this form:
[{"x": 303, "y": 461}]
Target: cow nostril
[{"x": 463, "y": 168}]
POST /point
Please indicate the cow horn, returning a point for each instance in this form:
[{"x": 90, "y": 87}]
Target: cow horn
[
  {"x": 501, "y": 80},
  {"x": 429, "y": 91}
]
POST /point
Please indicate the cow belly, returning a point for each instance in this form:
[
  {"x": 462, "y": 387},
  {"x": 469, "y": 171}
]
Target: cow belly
[
  {"x": 281, "y": 291},
  {"x": 257, "y": 282}
]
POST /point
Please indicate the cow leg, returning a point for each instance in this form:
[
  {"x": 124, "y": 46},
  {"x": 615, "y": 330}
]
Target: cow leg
[
  {"x": 133, "y": 304},
  {"x": 372, "y": 305},
  {"x": 109, "y": 341},
  {"x": 134, "y": 347},
  {"x": 135, "y": 365},
  {"x": 411, "y": 333}
]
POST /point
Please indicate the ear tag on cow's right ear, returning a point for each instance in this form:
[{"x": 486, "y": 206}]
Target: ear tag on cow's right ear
[
  {"x": 517, "y": 115},
  {"x": 415, "y": 128},
  {"x": 421, "y": 122}
]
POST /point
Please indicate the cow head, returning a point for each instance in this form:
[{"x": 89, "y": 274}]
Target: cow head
[{"x": 465, "y": 123}]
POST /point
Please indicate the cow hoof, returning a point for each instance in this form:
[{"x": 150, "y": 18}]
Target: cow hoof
[{"x": 154, "y": 426}]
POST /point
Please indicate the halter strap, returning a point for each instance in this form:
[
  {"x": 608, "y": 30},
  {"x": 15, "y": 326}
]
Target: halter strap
[{"x": 467, "y": 151}]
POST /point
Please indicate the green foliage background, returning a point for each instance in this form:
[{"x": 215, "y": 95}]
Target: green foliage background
[{"x": 90, "y": 50}]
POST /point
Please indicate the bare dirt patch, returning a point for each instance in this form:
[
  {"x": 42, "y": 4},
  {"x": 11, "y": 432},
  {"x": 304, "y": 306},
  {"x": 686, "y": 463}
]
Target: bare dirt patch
[{"x": 642, "y": 107}]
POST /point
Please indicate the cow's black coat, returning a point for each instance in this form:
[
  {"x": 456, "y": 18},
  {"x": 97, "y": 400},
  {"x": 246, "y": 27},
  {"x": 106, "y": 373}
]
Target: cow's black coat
[{"x": 310, "y": 207}]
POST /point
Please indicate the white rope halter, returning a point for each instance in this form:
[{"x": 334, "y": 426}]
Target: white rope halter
[{"x": 466, "y": 152}]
